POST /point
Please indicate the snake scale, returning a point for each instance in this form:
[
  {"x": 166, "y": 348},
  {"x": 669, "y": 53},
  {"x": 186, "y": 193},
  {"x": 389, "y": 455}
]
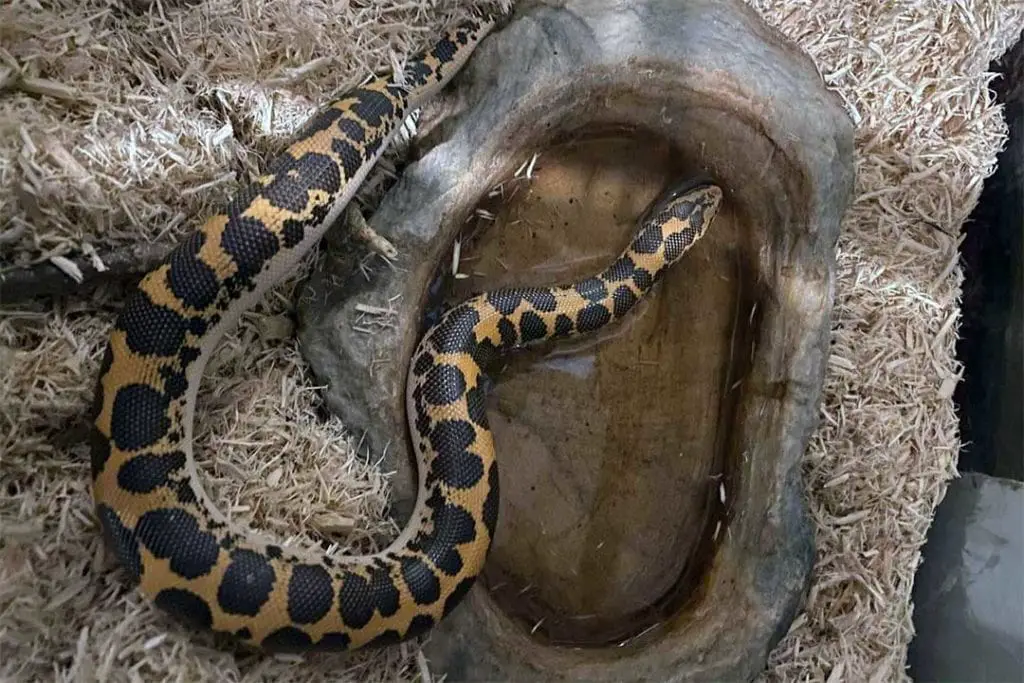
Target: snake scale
[{"x": 173, "y": 542}]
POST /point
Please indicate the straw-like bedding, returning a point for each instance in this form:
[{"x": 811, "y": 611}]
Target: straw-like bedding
[{"x": 124, "y": 122}]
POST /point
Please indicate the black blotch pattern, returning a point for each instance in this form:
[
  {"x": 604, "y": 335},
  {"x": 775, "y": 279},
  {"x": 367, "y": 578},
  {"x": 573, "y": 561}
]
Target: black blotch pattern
[
  {"x": 228, "y": 542},
  {"x": 622, "y": 269},
  {"x": 476, "y": 402},
  {"x": 423, "y": 420},
  {"x": 185, "y": 606},
  {"x": 293, "y": 231},
  {"x": 677, "y": 242},
  {"x": 421, "y": 581},
  {"x": 174, "y": 382},
  {"x": 458, "y": 594},
  {"x": 352, "y": 129},
  {"x": 490, "y": 509},
  {"x": 151, "y": 330},
  {"x": 139, "y": 417},
  {"x": 175, "y": 534},
  {"x": 372, "y": 107},
  {"x": 461, "y": 37},
  {"x": 243, "y": 633},
  {"x": 460, "y": 470},
  {"x": 592, "y": 289},
  {"x": 422, "y": 364},
  {"x": 682, "y": 210},
  {"x": 485, "y": 353},
  {"x": 452, "y": 436},
  {"x": 359, "y": 598},
  {"x": 624, "y": 300},
  {"x": 183, "y": 491},
  {"x": 445, "y": 49},
  {"x": 198, "y": 325},
  {"x": 453, "y": 526},
  {"x": 310, "y": 594},
  {"x": 188, "y": 354},
  {"x": 542, "y": 299},
  {"x": 294, "y": 178},
  {"x": 563, "y": 325},
  {"x": 642, "y": 279},
  {"x": 247, "y": 583},
  {"x": 99, "y": 451},
  {"x": 532, "y": 327},
  {"x": 419, "y": 625},
  {"x": 121, "y": 540},
  {"x": 274, "y": 552},
  {"x": 374, "y": 144},
  {"x": 697, "y": 219},
  {"x": 319, "y": 213},
  {"x": 321, "y": 120},
  {"x": 450, "y": 561},
  {"x": 250, "y": 244},
  {"x": 287, "y": 639},
  {"x": 334, "y": 641},
  {"x": 418, "y": 72},
  {"x": 444, "y": 385},
  {"x": 385, "y": 639},
  {"x": 455, "y": 332},
  {"x": 144, "y": 473},
  {"x": 351, "y": 158},
  {"x": 243, "y": 198},
  {"x": 505, "y": 301},
  {"x": 648, "y": 241},
  {"x": 592, "y": 317},
  {"x": 191, "y": 280},
  {"x": 507, "y": 330}
]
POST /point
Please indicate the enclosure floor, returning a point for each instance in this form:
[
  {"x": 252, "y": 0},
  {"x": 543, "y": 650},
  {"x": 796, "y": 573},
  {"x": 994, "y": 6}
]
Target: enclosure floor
[{"x": 124, "y": 122}]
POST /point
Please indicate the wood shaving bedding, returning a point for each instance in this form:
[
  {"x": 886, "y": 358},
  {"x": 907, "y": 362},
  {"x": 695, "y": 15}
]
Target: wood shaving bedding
[{"x": 126, "y": 121}]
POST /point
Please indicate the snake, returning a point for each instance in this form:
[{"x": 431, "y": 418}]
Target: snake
[{"x": 213, "y": 575}]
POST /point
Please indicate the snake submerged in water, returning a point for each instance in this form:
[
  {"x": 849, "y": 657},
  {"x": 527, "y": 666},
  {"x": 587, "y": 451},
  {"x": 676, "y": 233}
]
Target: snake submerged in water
[{"x": 154, "y": 513}]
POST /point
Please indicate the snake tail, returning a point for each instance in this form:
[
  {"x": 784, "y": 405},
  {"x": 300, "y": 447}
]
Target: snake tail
[
  {"x": 154, "y": 514},
  {"x": 169, "y": 536}
]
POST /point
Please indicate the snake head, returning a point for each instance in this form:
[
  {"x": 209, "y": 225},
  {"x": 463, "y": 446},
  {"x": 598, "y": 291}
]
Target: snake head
[
  {"x": 701, "y": 185},
  {"x": 681, "y": 199}
]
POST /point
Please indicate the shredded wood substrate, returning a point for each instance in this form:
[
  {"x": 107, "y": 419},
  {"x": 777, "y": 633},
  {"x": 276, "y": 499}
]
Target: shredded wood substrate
[{"x": 127, "y": 121}]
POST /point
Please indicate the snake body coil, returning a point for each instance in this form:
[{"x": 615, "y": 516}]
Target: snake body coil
[{"x": 153, "y": 510}]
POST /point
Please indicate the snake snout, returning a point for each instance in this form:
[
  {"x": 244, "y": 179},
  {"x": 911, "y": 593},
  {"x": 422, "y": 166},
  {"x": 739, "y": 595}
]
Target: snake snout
[{"x": 713, "y": 196}]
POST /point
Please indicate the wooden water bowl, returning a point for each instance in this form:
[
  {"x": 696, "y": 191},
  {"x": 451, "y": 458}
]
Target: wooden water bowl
[{"x": 651, "y": 524}]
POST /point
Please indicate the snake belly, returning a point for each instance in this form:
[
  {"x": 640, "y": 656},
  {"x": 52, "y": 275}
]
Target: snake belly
[{"x": 165, "y": 531}]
